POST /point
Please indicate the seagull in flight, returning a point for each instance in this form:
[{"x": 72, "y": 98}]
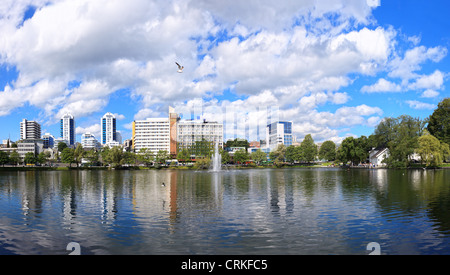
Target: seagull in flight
[{"x": 180, "y": 68}]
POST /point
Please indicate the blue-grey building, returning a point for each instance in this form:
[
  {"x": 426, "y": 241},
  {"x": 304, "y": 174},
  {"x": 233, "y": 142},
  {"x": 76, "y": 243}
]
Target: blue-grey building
[
  {"x": 279, "y": 133},
  {"x": 49, "y": 141}
]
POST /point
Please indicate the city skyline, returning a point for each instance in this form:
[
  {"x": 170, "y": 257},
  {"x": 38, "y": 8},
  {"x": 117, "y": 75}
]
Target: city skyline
[
  {"x": 334, "y": 69},
  {"x": 109, "y": 137}
]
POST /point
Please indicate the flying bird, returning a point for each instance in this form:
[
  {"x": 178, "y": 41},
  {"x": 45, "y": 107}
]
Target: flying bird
[{"x": 180, "y": 68}]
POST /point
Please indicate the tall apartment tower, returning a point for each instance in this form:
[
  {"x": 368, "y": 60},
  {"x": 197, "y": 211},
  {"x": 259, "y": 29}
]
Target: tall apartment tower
[
  {"x": 68, "y": 129},
  {"x": 108, "y": 124},
  {"x": 30, "y": 130}
]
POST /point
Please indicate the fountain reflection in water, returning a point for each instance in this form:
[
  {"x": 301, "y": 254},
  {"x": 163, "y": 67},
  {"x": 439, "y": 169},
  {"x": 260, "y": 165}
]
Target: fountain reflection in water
[{"x": 216, "y": 160}]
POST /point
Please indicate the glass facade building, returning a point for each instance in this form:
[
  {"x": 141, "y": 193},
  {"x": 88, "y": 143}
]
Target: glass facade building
[{"x": 279, "y": 133}]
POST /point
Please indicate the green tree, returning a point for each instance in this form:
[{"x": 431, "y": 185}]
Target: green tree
[
  {"x": 408, "y": 131},
  {"x": 355, "y": 150},
  {"x": 92, "y": 156},
  {"x": 291, "y": 153},
  {"x": 308, "y": 149},
  {"x": 105, "y": 156},
  {"x": 14, "y": 157},
  {"x": 385, "y": 132},
  {"x": 430, "y": 150},
  {"x": 129, "y": 158},
  {"x": 202, "y": 148},
  {"x": 237, "y": 143},
  {"x": 145, "y": 156},
  {"x": 78, "y": 154},
  {"x": 241, "y": 156},
  {"x": 62, "y": 146},
  {"x": 225, "y": 156},
  {"x": 30, "y": 158},
  {"x": 362, "y": 148},
  {"x": 67, "y": 156},
  {"x": 183, "y": 155},
  {"x": 400, "y": 135},
  {"x": 346, "y": 152},
  {"x": 279, "y": 154},
  {"x": 328, "y": 151},
  {"x": 4, "y": 158},
  {"x": 445, "y": 148},
  {"x": 258, "y": 156},
  {"x": 116, "y": 156},
  {"x": 202, "y": 163},
  {"x": 439, "y": 121},
  {"x": 41, "y": 158},
  {"x": 162, "y": 156}
]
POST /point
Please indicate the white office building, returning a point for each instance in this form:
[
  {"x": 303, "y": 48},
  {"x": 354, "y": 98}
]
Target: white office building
[
  {"x": 30, "y": 130},
  {"x": 190, "y": 131},
  {"x": 34, "y": 146},
  {"x": 88, "y": 141},
  {"x": 152, "y": 133}
]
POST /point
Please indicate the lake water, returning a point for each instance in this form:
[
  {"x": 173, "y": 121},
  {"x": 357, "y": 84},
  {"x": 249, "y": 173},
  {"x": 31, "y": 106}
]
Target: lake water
[{"x": 239, "y": 212}]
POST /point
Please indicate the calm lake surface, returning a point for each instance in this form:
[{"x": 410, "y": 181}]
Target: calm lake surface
[{"x": 268, "y": 211}]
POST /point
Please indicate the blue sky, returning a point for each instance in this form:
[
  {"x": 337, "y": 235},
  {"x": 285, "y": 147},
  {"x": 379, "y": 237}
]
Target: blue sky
[{"x": 334, "y": 68}]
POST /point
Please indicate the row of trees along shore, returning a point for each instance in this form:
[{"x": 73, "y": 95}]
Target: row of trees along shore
[{"x": 404, "y": 136}]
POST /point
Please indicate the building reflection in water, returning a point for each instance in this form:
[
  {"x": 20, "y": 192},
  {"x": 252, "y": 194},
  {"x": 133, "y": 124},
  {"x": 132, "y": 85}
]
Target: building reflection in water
[
  {"x": 106, "y": 209},
  {"x": 108, "y": 191},
  {"x": 379, "y": 177},
  {"x": 154, "y": 195},
  {"x": 173, "y": 200}
]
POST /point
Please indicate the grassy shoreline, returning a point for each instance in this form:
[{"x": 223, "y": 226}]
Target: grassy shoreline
[{"x": 65, "y": 168}]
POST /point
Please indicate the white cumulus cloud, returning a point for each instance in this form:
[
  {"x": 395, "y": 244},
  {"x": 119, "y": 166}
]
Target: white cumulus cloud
[{"x": 414, "y": 104}]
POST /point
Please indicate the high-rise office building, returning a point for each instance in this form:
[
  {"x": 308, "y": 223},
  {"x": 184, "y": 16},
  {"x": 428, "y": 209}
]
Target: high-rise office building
[
  {"x": 30, "y": 130},
  {"x": 156, "y": 134},
  {"x": 108, "y": 124},
  {"x": 170, "y": 134},
  {"x": 68, "y": 129},
  {"x": 279, "y": 133},
  {"x": 152, "y": 133}
]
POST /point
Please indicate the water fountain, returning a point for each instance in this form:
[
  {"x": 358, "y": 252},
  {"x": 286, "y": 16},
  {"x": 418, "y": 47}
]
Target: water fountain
[{"x": 216, "y": 160}]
